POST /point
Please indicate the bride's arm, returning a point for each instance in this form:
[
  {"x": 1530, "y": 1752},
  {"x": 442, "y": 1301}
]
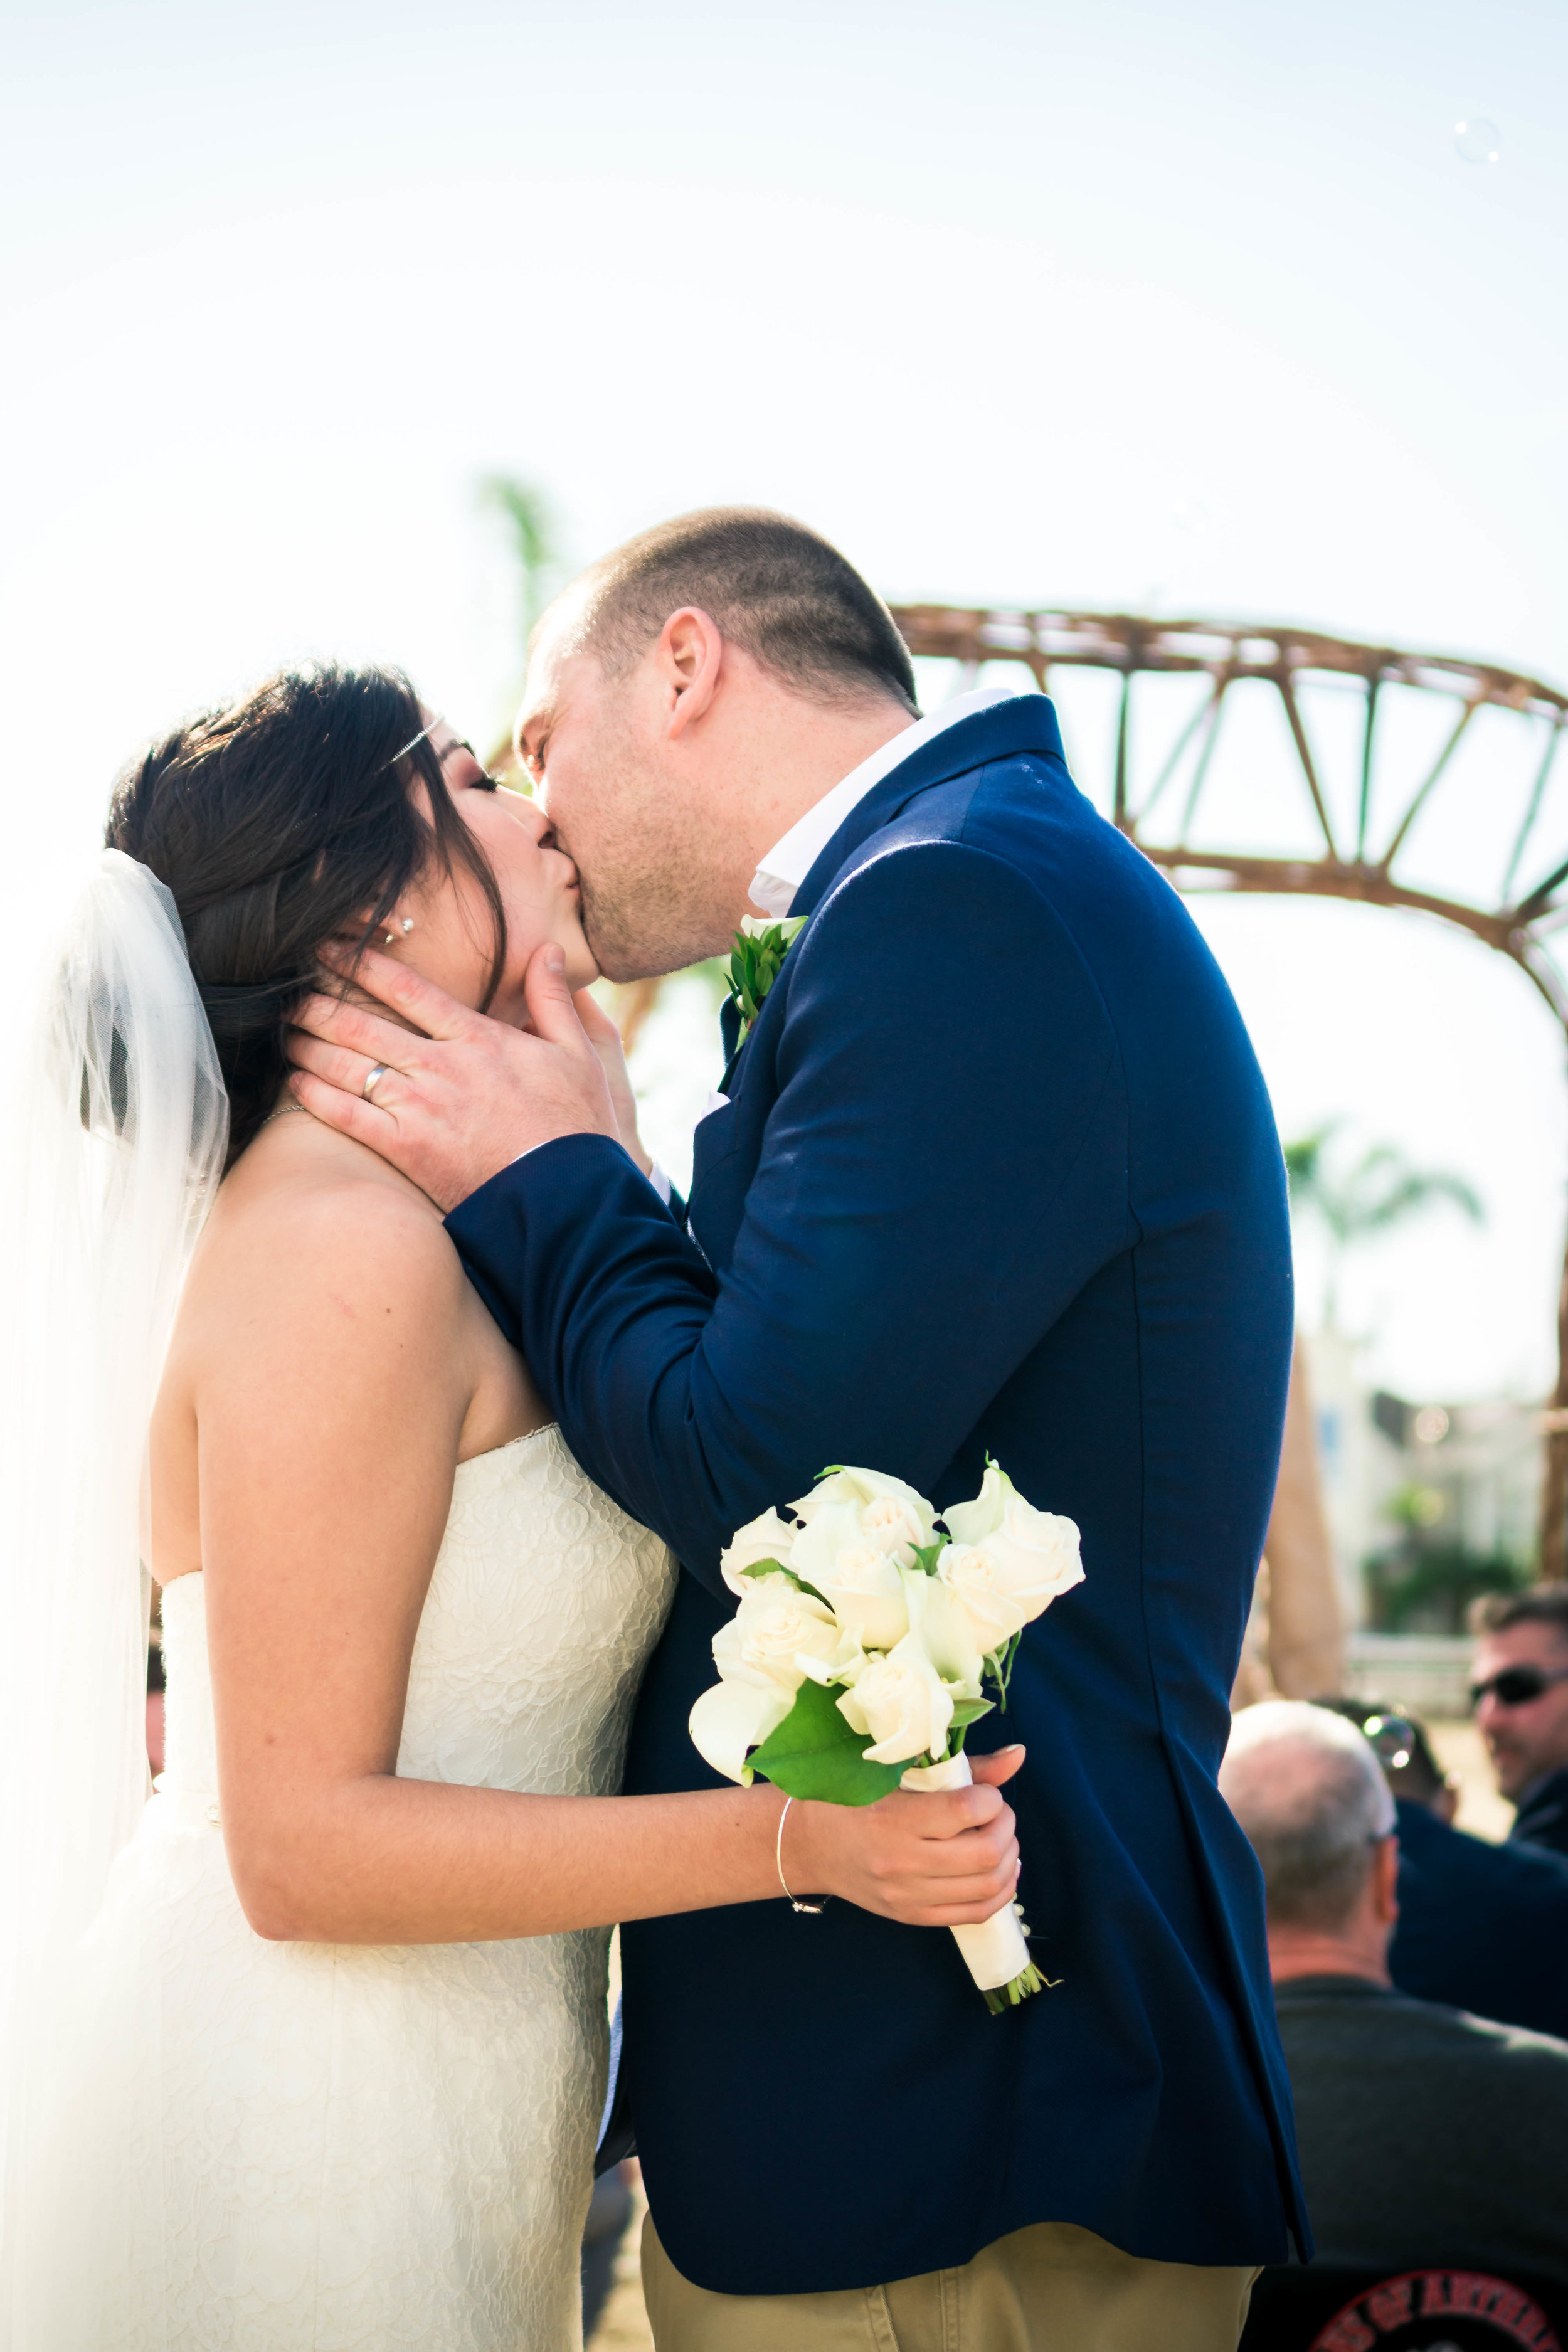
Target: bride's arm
[{"x": 330, "y": 1382}]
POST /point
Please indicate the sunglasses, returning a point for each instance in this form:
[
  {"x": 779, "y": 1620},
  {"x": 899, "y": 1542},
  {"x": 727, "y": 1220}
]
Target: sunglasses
[{"x": 1517, "y": 1685}]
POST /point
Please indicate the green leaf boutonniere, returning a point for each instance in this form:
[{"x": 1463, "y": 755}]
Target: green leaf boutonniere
[{"x": 761, "y": 946}]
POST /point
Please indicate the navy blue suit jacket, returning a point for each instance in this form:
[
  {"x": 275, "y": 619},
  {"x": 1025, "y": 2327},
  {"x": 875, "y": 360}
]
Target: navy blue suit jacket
[
  {"x": 1482, "y": 1927},
  {"x": 998, "y": 1172}
]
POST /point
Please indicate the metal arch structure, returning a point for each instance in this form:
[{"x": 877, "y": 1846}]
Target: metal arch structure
[{"x": 1358, "y": 848}]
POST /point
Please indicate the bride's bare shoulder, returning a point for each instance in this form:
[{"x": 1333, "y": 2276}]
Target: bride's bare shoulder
[
  {"x": 308, "y": 1221},
  {"x": 327, "y": 1314}
]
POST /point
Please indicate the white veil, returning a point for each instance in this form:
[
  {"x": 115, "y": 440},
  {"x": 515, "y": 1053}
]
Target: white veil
[{"x": 117, "y": 1147}]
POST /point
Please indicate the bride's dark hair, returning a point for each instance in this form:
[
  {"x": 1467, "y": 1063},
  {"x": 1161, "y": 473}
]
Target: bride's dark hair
[{"x": 277, "y": 824}]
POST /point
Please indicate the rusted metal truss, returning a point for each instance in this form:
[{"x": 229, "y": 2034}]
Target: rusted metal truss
[
  {"x": 1368, "y": 839},
  {"x": 1363, "y": 861}
]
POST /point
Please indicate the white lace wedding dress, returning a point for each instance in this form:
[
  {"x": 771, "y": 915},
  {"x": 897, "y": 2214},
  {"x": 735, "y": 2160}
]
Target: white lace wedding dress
[{"x": 297, "y": 2147}]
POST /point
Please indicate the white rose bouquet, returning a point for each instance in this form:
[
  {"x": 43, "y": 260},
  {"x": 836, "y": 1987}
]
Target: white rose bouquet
[{"x": 858, "y": 1656}]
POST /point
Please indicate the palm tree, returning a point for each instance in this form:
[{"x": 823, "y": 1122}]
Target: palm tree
[
  {"x": 1380, "y": 1190},
  {"x": 532, "y": 532}
]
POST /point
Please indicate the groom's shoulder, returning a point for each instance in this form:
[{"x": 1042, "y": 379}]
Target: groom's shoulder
[
  {"x": 1008, "y": 859},
  {"x": 1016, "y": 812},
  {"x": 919, "y": 902}
]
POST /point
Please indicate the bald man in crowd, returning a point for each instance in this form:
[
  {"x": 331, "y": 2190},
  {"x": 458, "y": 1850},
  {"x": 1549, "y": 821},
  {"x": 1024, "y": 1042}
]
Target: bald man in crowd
[{"x": 1426, "y": 2136}]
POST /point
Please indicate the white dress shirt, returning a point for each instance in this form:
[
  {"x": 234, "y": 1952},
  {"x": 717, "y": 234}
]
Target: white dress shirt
[{"x": 789, "y": 861}]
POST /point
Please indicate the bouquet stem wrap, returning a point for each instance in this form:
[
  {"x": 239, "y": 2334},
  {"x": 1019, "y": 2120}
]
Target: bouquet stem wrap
[{"x": 995, "y": 1952}]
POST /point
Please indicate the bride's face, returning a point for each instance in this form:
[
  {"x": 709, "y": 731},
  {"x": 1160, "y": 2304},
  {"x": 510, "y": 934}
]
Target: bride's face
[{"x": 452, "y": 941}]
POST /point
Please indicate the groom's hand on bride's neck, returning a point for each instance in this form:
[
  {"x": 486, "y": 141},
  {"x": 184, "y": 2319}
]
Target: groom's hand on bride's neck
[{"x": 461, "y": 1096}]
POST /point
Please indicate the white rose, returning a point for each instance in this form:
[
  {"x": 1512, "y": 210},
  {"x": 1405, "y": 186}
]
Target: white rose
[
  {"x": 866, "y": 1596},
  {"x": 909, "y": 1521},
  {"x": 893, "y": 1526},
  {"x": 901, "y": 1703},
  {"x": 774, "y": 1626},
  {"x": 767, "y": 1537},
  {"x": 777, "y": 1637},
  {"x": 1007, "y": 1561},
  {"x": 861, "y": 1585}
]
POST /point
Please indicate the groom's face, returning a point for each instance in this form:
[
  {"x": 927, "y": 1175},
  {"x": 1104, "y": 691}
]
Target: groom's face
[{"x": 655, "y": 881}]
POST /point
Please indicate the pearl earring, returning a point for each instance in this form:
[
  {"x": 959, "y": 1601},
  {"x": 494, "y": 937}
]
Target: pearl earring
[{"x": 404, "y": 926}]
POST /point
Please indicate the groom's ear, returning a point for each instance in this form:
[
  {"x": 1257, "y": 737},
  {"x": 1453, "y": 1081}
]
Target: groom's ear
[{"x": 688, "y": 657}]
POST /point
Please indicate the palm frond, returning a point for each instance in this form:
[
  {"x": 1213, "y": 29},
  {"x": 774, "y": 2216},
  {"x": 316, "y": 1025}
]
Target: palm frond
[
  {"x": 1382, "y": 1190},
  {"x": 532, "y": 525}
]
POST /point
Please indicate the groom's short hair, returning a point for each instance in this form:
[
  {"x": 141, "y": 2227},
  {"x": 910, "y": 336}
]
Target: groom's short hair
[{"x": 779, "y": 590}]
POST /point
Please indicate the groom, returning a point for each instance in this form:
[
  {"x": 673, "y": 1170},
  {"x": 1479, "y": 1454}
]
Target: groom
[{"x": 996, "y": 1173}]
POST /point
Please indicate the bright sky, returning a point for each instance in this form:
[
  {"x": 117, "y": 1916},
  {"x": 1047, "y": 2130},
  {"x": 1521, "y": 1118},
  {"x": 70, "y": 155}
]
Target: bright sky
[{"x": 1130, "y": 306}]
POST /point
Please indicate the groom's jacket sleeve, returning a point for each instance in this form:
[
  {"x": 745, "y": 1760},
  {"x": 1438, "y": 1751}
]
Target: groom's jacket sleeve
[{"x": 942, "y": 1168}]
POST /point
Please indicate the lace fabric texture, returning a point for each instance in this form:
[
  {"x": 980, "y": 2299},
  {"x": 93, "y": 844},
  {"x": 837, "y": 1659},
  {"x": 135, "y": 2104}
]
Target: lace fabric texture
[{"x": 291, "y": 2147}]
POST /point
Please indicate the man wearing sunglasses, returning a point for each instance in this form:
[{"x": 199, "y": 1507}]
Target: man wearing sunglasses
[
  {"x": 1519, "y": 1693},
  {"x": 1481, "y": 1927}
]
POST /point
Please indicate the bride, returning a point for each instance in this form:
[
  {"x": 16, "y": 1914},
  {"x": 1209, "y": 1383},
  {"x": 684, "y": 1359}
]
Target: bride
[{"x": 308, "y": 2049}]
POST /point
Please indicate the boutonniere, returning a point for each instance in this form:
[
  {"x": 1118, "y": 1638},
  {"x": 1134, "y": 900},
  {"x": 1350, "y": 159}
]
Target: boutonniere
[{"x": 761, "y": 946}]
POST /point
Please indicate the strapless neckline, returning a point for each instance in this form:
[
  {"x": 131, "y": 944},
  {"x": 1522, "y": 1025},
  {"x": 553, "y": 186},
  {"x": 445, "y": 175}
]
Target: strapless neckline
[
  {"x": 492, "y": 1454},
  {"x": 510, "y": 1445}
]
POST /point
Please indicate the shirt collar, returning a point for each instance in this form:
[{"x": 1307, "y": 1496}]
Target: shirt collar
[{"x": 789, "y": 861}]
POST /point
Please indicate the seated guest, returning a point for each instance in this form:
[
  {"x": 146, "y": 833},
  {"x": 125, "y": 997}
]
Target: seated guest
[
  {"x": 1481, "y": 1927},
  {"x": 1426, "y": 2136},
  {"x": 1519, "y": 1692}
]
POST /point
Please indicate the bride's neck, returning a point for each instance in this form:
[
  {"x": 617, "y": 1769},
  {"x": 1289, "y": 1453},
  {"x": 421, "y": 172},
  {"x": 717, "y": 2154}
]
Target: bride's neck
[{"x": 290, "y": 1146}]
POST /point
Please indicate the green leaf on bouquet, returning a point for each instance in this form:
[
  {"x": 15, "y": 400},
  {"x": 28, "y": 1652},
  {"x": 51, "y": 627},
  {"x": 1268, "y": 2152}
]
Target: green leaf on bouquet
[
  {"x": 815, "y": 1753},
  {"x": 928, "y": 1555},
  {"x": 966, "y": 1711}
]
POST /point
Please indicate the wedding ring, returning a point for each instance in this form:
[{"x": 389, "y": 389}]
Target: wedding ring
[{"x": 373, "y": 1079}]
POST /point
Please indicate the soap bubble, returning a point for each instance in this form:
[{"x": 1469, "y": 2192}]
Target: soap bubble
[{"x": 1477, "y": 139}]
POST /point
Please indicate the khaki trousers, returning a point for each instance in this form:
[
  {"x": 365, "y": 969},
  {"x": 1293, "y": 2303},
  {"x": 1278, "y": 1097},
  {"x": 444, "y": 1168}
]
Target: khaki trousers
[{"x": 1052, "y": 2288}]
